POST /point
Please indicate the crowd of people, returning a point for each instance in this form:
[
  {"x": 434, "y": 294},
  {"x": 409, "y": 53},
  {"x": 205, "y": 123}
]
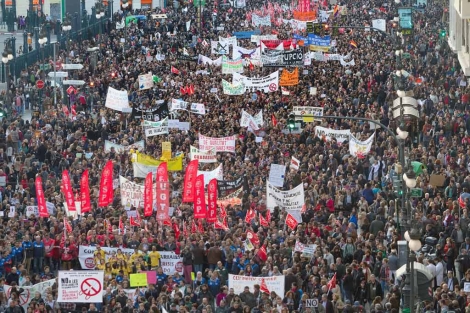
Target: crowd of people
[{"x": 350, "y": 204}]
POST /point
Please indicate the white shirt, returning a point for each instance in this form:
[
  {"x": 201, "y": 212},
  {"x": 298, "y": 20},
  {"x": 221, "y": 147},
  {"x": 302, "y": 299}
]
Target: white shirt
[{"x": 439, "y": 273}]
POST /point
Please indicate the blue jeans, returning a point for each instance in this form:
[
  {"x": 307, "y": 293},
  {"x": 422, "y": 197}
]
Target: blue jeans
[
  {"x": 197, "y": 268},
  {"x": 38, "y": 265}
]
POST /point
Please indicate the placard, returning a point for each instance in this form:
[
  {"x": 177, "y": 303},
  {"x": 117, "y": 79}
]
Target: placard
[
  {"x": 145, "y": 81},
  {"x": 117, "y": 99},
  {"x": 341, "y": 135},
  {"x": 217, "y": 173},
  {"x": 138, "y": 279},
  {"x": 291, "y": 200},
  {"x": 223, "y": 144},
  {"x": 203, "y": 156},
  {"x": 273, "y": 283},
  {"x": 80, "y": 286},
  {"x": 276, "y": 174}
]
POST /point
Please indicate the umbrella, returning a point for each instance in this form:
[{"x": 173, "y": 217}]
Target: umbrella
[{"x": 418, "y": 167}]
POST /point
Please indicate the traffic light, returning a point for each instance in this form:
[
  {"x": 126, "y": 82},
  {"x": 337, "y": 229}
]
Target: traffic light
[
  {"x": 397, "y": 186},
  {"x": 442, "y": 33},
  {"x": 113, "y": 74},
  {"x": 291, "y": 122},
  {"x": 92, "y": 84}
]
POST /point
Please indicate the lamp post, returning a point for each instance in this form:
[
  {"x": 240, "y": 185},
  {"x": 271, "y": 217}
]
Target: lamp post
[
  {"x": 414, "y": 244},
  {"x": 124, "y": 5},
  {"x": 42, "y": 41},
  {"x": 66, "y": 28},
  {"x": 99, "y": 12},
  {"x": 7, "y": 56}
]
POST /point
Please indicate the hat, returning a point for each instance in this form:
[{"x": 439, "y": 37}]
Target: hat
[{"x": 357, "y": 303}]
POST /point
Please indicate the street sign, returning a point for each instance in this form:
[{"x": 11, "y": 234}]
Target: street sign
[
  {"x": 416, "y": 192},
  {"x": 73, "y": 82},
  {"x": 40, "y": 84},
  {"x": 72, "y": 66},
  {"x": 71, "y": 90},
  {"x": 58, "y": 74},
  {"x": 44, "y": 67},
  {"x": 311, "y": 303}
]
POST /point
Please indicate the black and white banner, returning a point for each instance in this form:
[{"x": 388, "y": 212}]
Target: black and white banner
[
  {"x": 155, "y": 113},
  {"x": 283, "y": 58},
  {"x": 225, "y": 187}
]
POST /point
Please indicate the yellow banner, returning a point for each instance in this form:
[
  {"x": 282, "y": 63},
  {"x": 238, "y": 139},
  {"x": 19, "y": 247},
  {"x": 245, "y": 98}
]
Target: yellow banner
[
  {"x": 174, "y": 164},
  {"x": 320, "y": 48},
  {"x": 289, "y": 78},
  {"x": 166, "y": 150},
  {"x": 138, "y": 280}
]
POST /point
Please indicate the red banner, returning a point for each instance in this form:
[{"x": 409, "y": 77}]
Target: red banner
[
  {"x": 291, "y": 222},
  {"x": 253, "y": 237},
  {"x": 262, "y": 221},
  {"x": 162, "y": 172},
  {"x": 148, "y": 195},
  {"x": 220, "y": 225},
  {"x": 212, "y": 201},
  {"x": 41, "y": 199},
  {"x": 199, "y": 197},
  {"x": 85, "y": 193},
  {"x": 163, "y": 200},
  {"x": 67, "y": 190},
  {"x": 106, "y": 185},
  {"x": 273, "y": 44},
  {"x": 190, "y": 180}
]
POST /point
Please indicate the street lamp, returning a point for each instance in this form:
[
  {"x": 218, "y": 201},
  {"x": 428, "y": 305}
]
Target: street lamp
[
  {"x": 7, "y": 56},
  {"x": 66, "y": 28},
  {"x": 412, "y": 237},
  {"x": 42, "y": 41},
  {"x": 99, "y": 13}
]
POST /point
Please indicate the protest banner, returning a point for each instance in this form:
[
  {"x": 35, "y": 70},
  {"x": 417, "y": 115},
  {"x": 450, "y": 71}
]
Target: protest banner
[
  {"x": 132, "y": 194},
  {"x": 276, "y": 174},
  {"x": 145, "y": 81},
  {"x": 80, "y": 286},
  {"x": 108, "y": 145},
  {"x": 225, "y": 187},
  {"x": 223, "y": 144},
  {"x": 360, "y": 149},
  {"x": 246, "y": 34},
  {"x": 217, "y": 173},
  {"x": 233, "y": 198},
  {"x": 198, "y": 108},
  {"x": 289, "y": 78},
  {"x": 257, "y": 38},
  {"x": 272, "y": 58},
  {"x": 291, "y": 200},
  {"x": 305, "y": 16},
  {"x": 169, "y": 261},
  {"x": 117, "y": 99},
  {"x": 156, "y": 128},
  {"x": 273, "y": 283},
  {"x": 203, "y": 156},
  {"x": 174, "y": 165},
  {"x": 232, "y": 40},
  {"x": 341, "y": 135},
  {"x": 302, "y": 112},
  {"x": 232, "y": 89},
  {"x": 208, "y": 61},
  {"x": 177, "y": 104},
  {"x": 247, "y": 120},
  {"x": 155, "y": 113},
  {"x": 267, "y": 84},
  {"x": 29, "y": 292},
  {"x": 318, "y": 40},
  {"x": 231, "y": 66},
  {"x": 178, "y": 125},
  {"x": 257, "y": 20}
]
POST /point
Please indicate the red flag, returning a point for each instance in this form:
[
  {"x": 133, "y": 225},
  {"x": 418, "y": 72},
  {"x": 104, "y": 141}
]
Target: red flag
[
  {"x": 262, "y": 254},
  {"x": 176, "y": 229},
  {"x": 182, "y": 90},
  {"x": 200, "y": 227},
  {"x": 174, "y": 70},
  {"x": 253, "y": 237},
  {"x": 162, "y": 172},
  {"x": 462, "y": 202},
  {"x": 148, "y": 195},
  {"x": 191, "y": 89},
  {"x": 85, "y": 193},
  {"x": 332, "y": 283},
  {"x": 185, "y": 230},
  {"x": 74, "y": 112},
  {"x": 121, "y": 225},
  {"x": 263, "y": 221},
  {"x": 67, "y": 190},
  {"x": 193, "y": 227},
  {"x": 220, "y": 225},
  {"x": 273, "y": 120},
  {"x": 250, "y": 214},
  {"x": 268, "y": 215},
  {"x": 291, "y": 222},
  {"x": 189, "y": 181},
  {"x": 163, "y": 193},
  {"x": 106, "y": 185},
  {"x": 199, "y": 198},
  {"x": 224, "y": 221},
  {"x": 67, "y": 226},
  {"x": 223, "y": 213},
  {"x": 212, "y": 201},
  {"x": 263, "y": 287},
  {"x": 167, "y": 222},
  {"x": 41, "y": 198},
  {"x": 65, "y": 110},
  {"x": 134, "y": 221},
  {"x": 304, "y": 208}
]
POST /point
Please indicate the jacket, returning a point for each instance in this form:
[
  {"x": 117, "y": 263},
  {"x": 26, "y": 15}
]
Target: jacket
[{"x": 214, "y": 255}]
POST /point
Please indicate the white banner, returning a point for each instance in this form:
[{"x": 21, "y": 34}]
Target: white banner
[
  {"x": 178, "y": 125},
  {"x": 29, "y": 292},
  {"x": 240, "y": 52},
  {"x": 80, "y": 287},
  {"x": 169, "y": 261},
  {"x": 359, "y": 148},
  {"x": 202, "y": 156},
  {"x": 198, "y": 108},
  {"x": 229, "y": 40},
  {"x": 379, "y": 24},
  {"x": 300, "y": 111},
  {"x": 132, "y": 194},
  {"x": 240, "y": 3},
  {"x": 208, "y": 61},
  {"x": 296, "y": 24},
  {"x": 223, "y": 144},
  {"x": 145, "y": 81},
  {"x": 217, "y": 173},
  {"x": 268, "y": 83},
  {"x": 344, "y": 63},
  {"x": 117, "y": 99},
  {"x": 156, "y": 128},
  {"x": 231, "y": 66},
  {"x": 33, "y": 209},
  {"x": 139, "y": 145},
  {"x": 247, "y": 120},
  {"x": 141, "y": 170},
  {"x": 276, "y": 174},
  {"x": 274, "y": 283},
  {"x": 232, "y": 89},
  {"x": 261, "y": 20},
  {"x": 257, "y": 38},
  {"x": 291, "y": 200},
  {"x": 177, "y": 104},
  {"x": 341, "y": 135}
]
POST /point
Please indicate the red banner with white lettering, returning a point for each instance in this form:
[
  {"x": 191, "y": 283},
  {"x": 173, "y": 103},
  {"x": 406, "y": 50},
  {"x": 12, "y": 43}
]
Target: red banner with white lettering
[
  {"x": 212, "y": 201},
  {"x": 41, "y": 199},
  {"x": 148, "y": 195},
  {"x": 106, "y": 185},
  {"x": 199, "y": 198},
  {"x": 189, "y": 181},
  {"x": 163, "y": 200},
  {"x": 162, "y": 172},
  {"x": 291, "y": 222},
  {"x": 85, "y": 193},
  {"x": 68, "y": 192}
]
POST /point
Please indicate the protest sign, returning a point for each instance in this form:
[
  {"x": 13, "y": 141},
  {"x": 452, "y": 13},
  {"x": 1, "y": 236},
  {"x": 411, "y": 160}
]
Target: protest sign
[
  {"x": 273, "y": 283},
  {"x": 145, "y": 81},
  {"x": 231, "y": 66},
  {"x": 341, "y": 135},
  {"x": 359, "y": 148},
  {"x": 108, "y": 145},
  {"x": 178, "y": 125},
  {"x": 177, "y": 104},
  {"x": 217, "y": 173},
  {"x": 117, "y": 99},
  {"x": 233, "y": 89},
  {"x": 29, "y": 292},
  {"x": 276, "y": 174},
  {"x": 289, "y": 78},
  {"x": 198, "y": 108},
  {"x": 203, "y": 156},
  {"x": 138, "y": 279},
  {"x": 223, "y": 144},
  {"x": 156, "y": 128},
  {"x": 166, "y": 150},
  {"x": 282, "y": 58},
  {"x": 80, "y": 286},
  {"x": 291, "y": 200},
  {"x": 257, "y": 20},
  {"x": 268, "y": 83},
  {"x": 379, "y": 24},
  {"x": 301, "y": 112}
]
